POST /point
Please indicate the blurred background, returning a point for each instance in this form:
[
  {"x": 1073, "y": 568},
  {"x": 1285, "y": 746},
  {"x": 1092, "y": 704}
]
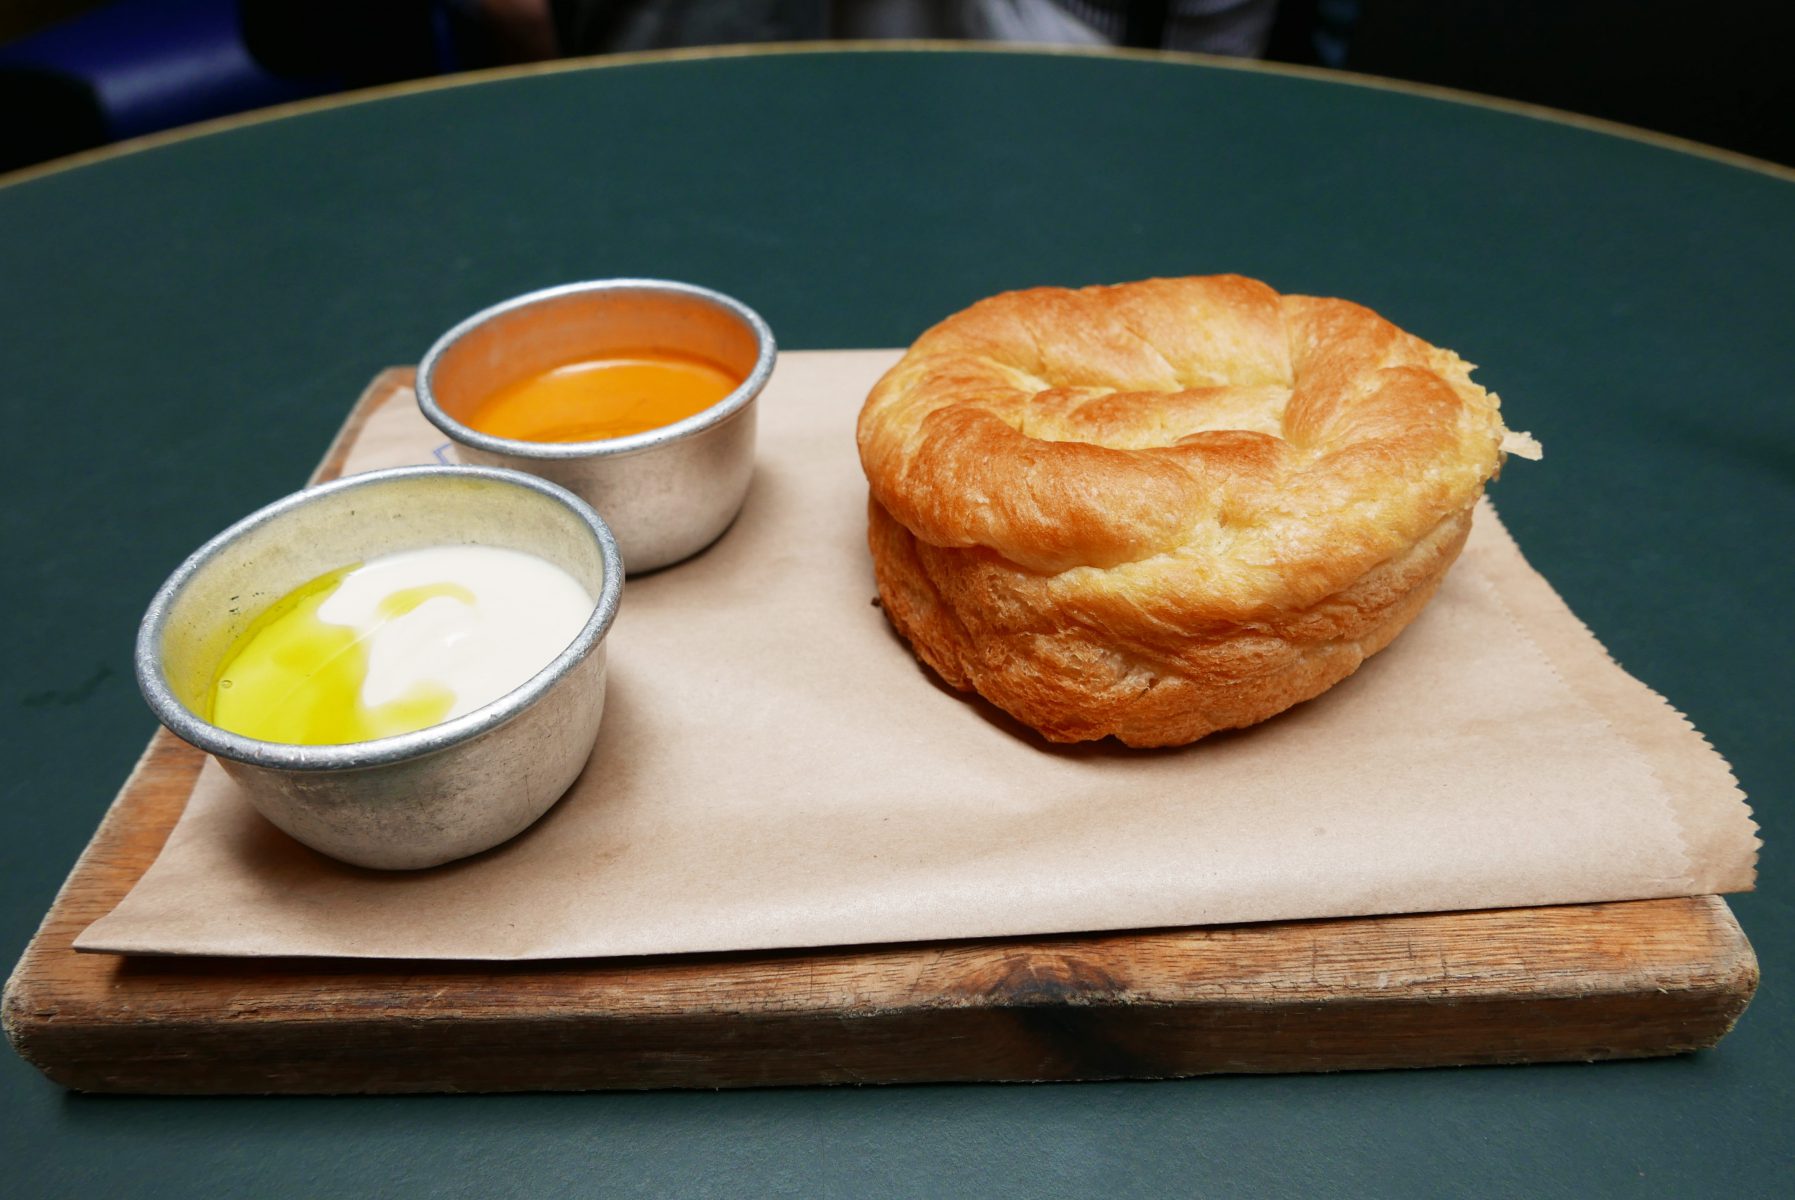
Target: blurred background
[{"x": 76, "y": 74}]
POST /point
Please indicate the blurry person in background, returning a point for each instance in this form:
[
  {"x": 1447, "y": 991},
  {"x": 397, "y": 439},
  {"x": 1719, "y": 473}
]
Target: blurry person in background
[
  {"x": 77, "y": 74},
  {"x": 405, "y": 38},
  {"x": 1238, "y": 27}
]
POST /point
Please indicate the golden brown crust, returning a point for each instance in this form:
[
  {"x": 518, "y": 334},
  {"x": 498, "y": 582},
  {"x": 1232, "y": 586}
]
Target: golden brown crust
[{"x": 1160, "y": 509}]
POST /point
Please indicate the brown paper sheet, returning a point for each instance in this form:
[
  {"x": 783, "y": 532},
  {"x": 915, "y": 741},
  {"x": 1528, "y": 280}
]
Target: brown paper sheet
[{"x": 775, "y": 770}]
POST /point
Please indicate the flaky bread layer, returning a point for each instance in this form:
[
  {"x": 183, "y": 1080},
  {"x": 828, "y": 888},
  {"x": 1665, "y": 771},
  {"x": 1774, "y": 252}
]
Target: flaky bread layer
[
  {"x": 1204, "y": 439},
  {"x": 1158, "y": 509},
  {"x": 984, "y": 624}
]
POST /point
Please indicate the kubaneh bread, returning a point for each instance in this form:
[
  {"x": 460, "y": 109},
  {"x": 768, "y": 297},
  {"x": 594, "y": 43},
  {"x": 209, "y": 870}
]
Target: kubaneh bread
[{"x": 1161, "y": 509}]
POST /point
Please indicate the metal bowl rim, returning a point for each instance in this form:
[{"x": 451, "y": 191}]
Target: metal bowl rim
[
  {"x": 698, "y": 422},
  {"x": 348, "y": 756}
]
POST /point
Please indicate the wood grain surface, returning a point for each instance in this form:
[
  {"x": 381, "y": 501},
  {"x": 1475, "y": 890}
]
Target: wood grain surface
[{"x": 1576, "y": 982}]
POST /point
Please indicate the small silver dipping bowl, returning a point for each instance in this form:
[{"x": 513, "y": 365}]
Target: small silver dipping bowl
[
  {"x": 667, "y": 493},
  {"x": 417, "y": 799}
]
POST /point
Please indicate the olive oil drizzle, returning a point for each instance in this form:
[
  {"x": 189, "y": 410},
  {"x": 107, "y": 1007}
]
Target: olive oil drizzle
[{"x": 294, "y": 678}]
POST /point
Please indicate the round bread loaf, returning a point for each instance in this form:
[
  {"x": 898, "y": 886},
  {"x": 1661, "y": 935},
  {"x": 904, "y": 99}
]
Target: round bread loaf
[{"x": 1160, "y": 509}]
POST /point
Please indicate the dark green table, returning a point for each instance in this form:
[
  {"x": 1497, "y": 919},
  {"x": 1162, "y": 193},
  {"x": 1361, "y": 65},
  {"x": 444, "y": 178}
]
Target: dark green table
[{"x": 181, "y": 330}]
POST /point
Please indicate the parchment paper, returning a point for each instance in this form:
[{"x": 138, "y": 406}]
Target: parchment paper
[{"x": 775, "y": 769}]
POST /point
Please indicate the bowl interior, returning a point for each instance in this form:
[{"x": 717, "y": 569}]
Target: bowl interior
[
  {"x": 550, "y": 331},
  {"x": 235, "y": 580}
]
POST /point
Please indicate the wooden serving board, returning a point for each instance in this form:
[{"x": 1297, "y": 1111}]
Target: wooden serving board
[{"x": 1574, "y": 982}]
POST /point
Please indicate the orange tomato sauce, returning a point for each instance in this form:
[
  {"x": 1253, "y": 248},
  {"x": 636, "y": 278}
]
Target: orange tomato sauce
[{"x": 604, "y": 398}]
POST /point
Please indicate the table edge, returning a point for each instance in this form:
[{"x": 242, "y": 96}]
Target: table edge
[{"x": 1431, "y": 91}]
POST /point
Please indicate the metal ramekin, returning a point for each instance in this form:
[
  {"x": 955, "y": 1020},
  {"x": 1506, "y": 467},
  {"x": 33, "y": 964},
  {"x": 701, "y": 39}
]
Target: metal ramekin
[
  {"x": 420, "y": 798},
  {"x": 666, "y": 493}
]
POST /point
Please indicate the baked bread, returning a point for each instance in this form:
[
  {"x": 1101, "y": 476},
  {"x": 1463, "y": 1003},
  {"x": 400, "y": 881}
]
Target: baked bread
[{"x": 1161, "y": 509}]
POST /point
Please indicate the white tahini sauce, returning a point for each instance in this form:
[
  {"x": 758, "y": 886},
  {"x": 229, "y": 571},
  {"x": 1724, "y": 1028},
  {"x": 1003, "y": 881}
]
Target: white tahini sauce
[{"x": 526, "y": 611}]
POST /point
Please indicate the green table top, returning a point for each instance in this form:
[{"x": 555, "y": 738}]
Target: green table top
[{"x": 181, "y": 329}]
